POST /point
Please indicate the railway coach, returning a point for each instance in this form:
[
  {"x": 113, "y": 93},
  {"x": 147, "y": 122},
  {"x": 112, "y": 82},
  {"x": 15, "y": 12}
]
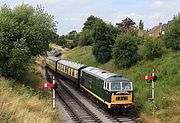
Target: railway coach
[{"x": 108, "y": 89}]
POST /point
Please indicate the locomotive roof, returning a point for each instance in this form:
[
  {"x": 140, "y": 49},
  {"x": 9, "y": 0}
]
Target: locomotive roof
[
  {"x": 71, "y": 64},
  {"x": 103, "y": 74}
]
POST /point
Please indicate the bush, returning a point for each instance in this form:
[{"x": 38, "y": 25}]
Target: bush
[
  {"x": 172, "y": 37},
  {"x": 85, "y": 38},
  {"x": 125, "y": 50},
  {"x": 152, "y": 48}
]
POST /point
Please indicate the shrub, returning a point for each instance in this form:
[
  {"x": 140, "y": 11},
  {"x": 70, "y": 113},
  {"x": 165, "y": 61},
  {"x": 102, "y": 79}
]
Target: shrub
[
  {"x": 172, "y": 37},
  {"x": 152, "y": 48},
  {"x": 125, "y": 50},
  {"x": 85, "y": 38}
]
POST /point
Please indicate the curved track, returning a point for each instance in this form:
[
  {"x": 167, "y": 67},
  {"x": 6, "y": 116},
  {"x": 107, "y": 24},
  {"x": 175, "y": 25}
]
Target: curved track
[{"x": 77, "y": 111}]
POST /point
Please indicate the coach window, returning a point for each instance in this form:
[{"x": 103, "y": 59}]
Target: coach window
[
  {"x": 77, "y": 74},
  {"x": 73, "y": 73},
  {"x": 108, "y": 86},
  {"x": 61, "y": 67},
  {"x": 69, "y": 71}
]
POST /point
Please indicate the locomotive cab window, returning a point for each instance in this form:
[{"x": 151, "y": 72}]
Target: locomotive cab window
[
  {"x": 116, "y": 86},
  {"x": 107, "y": 86},
  {"x": 126, "y": 85}
]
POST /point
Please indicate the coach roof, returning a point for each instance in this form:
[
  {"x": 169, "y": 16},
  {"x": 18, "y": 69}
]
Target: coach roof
[{"x": 71, "y": 64}]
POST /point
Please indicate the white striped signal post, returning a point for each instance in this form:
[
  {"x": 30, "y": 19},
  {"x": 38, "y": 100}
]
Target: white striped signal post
[
  {"x": 53, "y": 86},
  {"x": 153, "y": 78},
  {"x": 153, "y": 84},
  {"x": 53, "y": 96}
]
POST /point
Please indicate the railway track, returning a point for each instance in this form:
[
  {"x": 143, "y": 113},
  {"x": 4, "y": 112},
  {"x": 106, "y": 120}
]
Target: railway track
[
  {"x": 111, "y": 118},
  {"x": 76, "y": 109},
  {"x": 80, "y": 112}
]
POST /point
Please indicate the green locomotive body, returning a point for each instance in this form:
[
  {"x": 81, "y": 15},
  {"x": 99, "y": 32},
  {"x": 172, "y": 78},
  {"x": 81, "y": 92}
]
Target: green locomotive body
[{"x": 111, "y": 89}]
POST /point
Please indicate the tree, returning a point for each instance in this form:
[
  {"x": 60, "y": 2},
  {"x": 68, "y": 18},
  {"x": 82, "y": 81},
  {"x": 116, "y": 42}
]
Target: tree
[
  {"x": 86, "y": 38},
  {"x": 61, "y": 41},
  {"x": 141, "y": 25},
  {"x": 24, "y": 33},
  {"x": 172, "y": 36},
  {"x": 90, "y": 22},
  {"x": 152, "y": 48},
  {"x": 125, "y": 50},
  {"x": 103, "y": 35}
]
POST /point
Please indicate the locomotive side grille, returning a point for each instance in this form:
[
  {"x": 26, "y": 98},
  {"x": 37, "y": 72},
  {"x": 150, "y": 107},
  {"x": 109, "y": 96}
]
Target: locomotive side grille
[{"x": 121, "y": 98}]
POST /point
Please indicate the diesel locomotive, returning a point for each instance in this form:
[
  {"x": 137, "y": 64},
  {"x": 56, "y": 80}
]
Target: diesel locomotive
[{"x": 110, "y": 90}]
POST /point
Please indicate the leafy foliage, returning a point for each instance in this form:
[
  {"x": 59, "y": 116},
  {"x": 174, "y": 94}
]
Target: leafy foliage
[
  {"x": 104, "y": 37},
  {"x": 72, "y": 39},
  {"x": 125, "y": 50},
  {"x": 152, "y": 48},
  {"x": 24, "y": 33},
  {"x": 86, "y": 38},
  {"x": 172, "y": 36},
  {"x": 59, "y": 40},
  {"x": 91, "y": 22}
]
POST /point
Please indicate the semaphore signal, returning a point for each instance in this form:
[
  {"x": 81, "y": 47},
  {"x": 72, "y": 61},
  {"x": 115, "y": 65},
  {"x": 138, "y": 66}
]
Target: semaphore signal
[
  {"x": 54, "y": 86},
  {"x": 153, "y": 78}
]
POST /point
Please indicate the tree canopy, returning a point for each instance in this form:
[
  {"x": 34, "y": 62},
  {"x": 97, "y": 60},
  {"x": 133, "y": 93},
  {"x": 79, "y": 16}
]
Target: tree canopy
[
  {"x": 172, "y": 36},
  {"x": 104, "y": 37},
  {"x": 86, "y": 38},
  {"x": 25, "y": 32},
  {"x": 125, "y": 50}
]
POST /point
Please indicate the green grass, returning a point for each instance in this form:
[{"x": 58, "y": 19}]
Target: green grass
[{"x": 167, "y": 87}]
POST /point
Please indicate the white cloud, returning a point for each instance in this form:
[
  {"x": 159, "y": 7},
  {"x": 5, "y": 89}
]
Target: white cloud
[
  {"x": 63, "y": 2},
  {"x": 71, "y": 19},
  {"x": 50, "y": 1},
  {"x": 155, "y": 16},
  {"x": 165, "y": 4}
]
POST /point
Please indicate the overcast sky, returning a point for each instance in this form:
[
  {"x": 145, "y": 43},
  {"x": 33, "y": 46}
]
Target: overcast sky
[{"x": 71, "y": 14}]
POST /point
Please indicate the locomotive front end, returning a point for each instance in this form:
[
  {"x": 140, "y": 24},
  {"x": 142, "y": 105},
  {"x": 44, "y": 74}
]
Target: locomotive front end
[{"x": 121, "y": 93}]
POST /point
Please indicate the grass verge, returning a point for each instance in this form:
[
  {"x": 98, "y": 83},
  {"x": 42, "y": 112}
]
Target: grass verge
[
  {"x": 167, "y": 94},
  {"x": 21, "y": 103}
]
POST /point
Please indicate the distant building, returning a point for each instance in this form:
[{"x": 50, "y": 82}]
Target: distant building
[
  {"x": 125, "y": 25},
  {"x": 157, "y": 31}
]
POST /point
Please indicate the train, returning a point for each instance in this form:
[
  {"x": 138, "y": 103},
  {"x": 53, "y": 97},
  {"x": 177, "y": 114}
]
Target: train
[{"x": 113, "y": 92}]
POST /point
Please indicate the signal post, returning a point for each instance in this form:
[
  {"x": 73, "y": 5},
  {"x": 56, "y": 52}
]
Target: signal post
[{"x": 54, "y": 86}]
